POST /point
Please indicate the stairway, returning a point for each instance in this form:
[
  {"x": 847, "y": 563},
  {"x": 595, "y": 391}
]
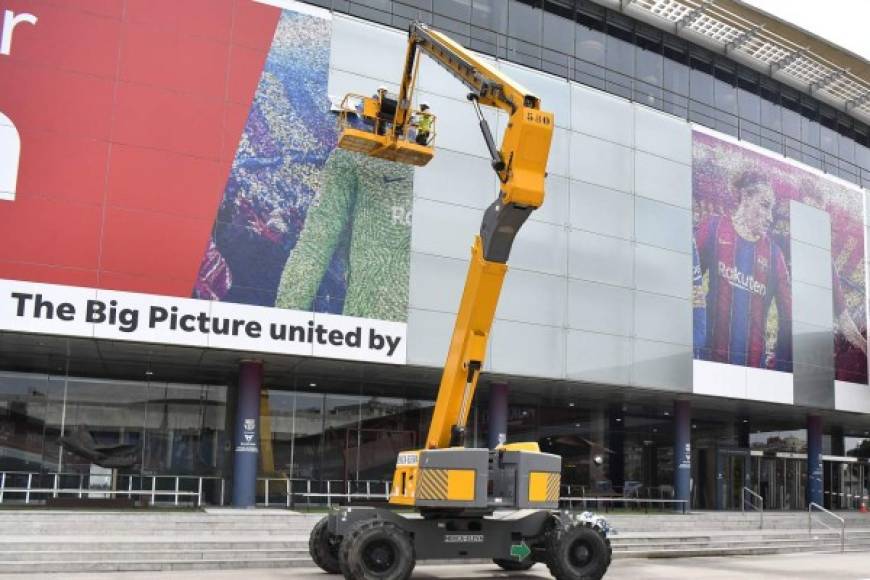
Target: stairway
[{"x": 42, "y": 541}]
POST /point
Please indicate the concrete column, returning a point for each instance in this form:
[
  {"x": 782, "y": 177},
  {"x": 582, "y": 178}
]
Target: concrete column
[
  {"x": 682, "y": 451},
  {"x": 246, "y": 434},
  {"x": 721, "y": 465},
  {"x": 616, "y": 444},
  {"x": 498, "y": 415},
  {"x": 815, "y": 478}
]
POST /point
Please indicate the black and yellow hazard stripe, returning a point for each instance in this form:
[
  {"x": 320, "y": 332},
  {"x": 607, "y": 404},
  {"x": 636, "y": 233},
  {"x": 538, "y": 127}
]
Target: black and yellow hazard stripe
[
  {"x": 553, "y": 482},
  {"x": 544, "y": 486},
  {"x": 433, "y": 484}
]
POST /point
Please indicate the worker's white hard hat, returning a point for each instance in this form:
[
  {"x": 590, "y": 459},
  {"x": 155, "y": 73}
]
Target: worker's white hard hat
[{"x": 382, "y": 88}]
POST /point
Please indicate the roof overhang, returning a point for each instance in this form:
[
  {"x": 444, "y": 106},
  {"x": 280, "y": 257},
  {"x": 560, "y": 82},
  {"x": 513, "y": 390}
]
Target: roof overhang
[{"x": 764, "y": 43}]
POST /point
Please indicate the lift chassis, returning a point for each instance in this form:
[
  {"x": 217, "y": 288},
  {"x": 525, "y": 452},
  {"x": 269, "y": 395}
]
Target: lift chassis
[{"x": 573, "y": 545}]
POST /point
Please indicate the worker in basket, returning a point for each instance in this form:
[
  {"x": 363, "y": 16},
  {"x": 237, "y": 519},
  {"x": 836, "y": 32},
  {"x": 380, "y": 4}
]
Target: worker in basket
[{"x": 423, "y": 122}]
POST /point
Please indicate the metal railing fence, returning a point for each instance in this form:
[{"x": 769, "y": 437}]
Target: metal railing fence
[
  {"x": 759, "y": 508},
  {"x": 842, "y": 521}
]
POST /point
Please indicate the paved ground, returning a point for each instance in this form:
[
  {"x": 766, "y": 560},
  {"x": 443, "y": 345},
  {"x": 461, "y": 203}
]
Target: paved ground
[{"x": 852, "y": 566}]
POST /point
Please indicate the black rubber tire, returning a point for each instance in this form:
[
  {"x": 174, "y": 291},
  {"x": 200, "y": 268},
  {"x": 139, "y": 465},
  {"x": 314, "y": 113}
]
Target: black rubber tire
[
  {"x": 323, "y": 547},
  {"x": 580, "y": 552},
  {"x": 376, "y": 550},
  {"x": 513, "y": 565}
]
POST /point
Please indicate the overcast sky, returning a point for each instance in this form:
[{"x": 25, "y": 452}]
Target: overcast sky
[{"x": 843, "y": 22}]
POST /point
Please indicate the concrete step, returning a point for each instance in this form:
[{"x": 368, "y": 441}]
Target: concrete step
[
  {"x": 103, "y": 544},
  {"x": 716, "y": 551},
  {"x": 145, "y": 554},
  {"x": 40, "y": 567},
  {"x": 82, "y": 541}
]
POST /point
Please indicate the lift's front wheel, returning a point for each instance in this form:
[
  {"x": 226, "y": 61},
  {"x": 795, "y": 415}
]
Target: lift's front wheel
[
  {"x": 376, "y": 550},
  {"x": 513, "y": 565},
  {"x": 323, "y": 547},
  {"x": 580, "y": 552}
]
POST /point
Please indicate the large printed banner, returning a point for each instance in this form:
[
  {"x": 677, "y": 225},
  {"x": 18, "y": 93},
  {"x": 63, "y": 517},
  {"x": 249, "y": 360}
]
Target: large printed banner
[
  {"x": 75, "y": 311},
  {"x": 743, "y": 264},
  {"x": 302, "y": 224},
  {"x": 183, "y": 164}
]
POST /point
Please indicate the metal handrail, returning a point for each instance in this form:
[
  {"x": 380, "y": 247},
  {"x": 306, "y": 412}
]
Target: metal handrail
[
  {"x": 683, "y": 504},
  {"x": 752, "y": 504},
  {"x": 832, "y": 514}
]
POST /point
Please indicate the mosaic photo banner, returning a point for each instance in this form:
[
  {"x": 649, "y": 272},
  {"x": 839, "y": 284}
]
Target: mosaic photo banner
[
  {"x": 304, "y": 225},
  {"x": 742, "y": 276}
]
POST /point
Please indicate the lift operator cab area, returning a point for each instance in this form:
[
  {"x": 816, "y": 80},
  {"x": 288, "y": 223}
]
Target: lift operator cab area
[{"x": 500, "y": 504}]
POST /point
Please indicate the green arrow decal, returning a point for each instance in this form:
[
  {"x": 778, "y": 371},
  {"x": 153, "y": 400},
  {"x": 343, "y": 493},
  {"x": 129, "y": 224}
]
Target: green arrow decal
[{"x": 520, "y": 551}]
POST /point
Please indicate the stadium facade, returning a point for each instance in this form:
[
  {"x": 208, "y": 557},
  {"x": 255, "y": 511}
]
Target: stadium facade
[{"x": 195, "y": 282}]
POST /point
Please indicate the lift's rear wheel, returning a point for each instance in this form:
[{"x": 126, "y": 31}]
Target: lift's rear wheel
[
  {"x": 513, "y": 565},
  {"x": 376, "y": 550},
  {"x": 580, "y": 552},
  {"x": 323, "y": 547}
]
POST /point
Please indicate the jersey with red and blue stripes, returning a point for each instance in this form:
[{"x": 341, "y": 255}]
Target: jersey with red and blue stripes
[{"x": 745, "y": 278}]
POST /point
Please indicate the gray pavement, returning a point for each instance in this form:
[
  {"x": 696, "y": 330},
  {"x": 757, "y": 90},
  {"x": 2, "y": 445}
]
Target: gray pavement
[{"x": 850, "y": 566}]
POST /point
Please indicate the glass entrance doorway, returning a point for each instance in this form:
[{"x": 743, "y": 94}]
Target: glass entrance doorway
[
  {"x": 847, "y": 481},
  {"x": 779, "y": 478}
]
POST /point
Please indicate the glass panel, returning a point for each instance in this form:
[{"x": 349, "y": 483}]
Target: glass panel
[
  {"x": 307, "y": 444},
  {"x": 726, "y": 90},
  {"x": 374, "y": 10},
  {"x": 675, "y": 81},
  {"x": 589, "y": 51},
  {"x": 458, "y": 30},
  {"x": 453, "y": 16},
  {"x": 28, "y": 416},
  {"x": 791, "y": 117},
  {"x": 340, "y": 458},
  {"x": 702, "y": 88},
  {"x": 846, "y": 143},
  {"x": 619, "y": 60},
  {"x": 387, "y": 426},
  {"x": 455, "y": 9},
  {"x": 650, "y": 71},
  {"x": 749, "y": 105},
  {"x": 524, "y": 22},
  {"x": 489, "y": 15},
  {"x": 558, "y": 28},
  {"x": 771, "y": 113},
  {"x": 588, "y": 44},
  {"x": 489, "y": 26}
]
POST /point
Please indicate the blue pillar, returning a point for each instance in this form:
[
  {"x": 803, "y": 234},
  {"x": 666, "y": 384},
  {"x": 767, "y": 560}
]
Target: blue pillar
[
  {"x": 616, "y": 445},
  {"x": 246, "y": 436},
  {"x": 815, "y": 483},
  {"x": 498, "y": 415},
  {"x": 682, "y": 451},
  {"x": 721, "y": 464}
]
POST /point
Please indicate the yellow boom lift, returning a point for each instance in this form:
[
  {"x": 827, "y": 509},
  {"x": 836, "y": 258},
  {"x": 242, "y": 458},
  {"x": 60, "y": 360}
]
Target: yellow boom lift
[{"x": 499, "y": 504}]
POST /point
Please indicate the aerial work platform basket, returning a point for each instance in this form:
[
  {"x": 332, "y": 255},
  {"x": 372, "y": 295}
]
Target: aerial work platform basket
[{"x": 364, "y": 130}]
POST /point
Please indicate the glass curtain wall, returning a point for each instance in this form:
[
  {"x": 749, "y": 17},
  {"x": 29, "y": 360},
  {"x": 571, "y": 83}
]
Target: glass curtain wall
[
  {"x": 336, "y": 437},
  {"x": 50, "y": 423},
  {"x": 587, "y": 43}
]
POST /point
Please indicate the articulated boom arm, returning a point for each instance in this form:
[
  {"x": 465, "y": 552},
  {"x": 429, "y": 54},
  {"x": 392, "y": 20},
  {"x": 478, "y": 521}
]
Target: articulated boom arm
[{"x": 521, "y": 163}]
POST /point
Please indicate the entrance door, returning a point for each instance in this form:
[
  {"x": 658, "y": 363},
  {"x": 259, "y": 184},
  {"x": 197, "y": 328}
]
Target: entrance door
[
  {"x": 733, "y": 470},
  {"x": 781, "y": 481},
  {"x": 846, "y": 482}
]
